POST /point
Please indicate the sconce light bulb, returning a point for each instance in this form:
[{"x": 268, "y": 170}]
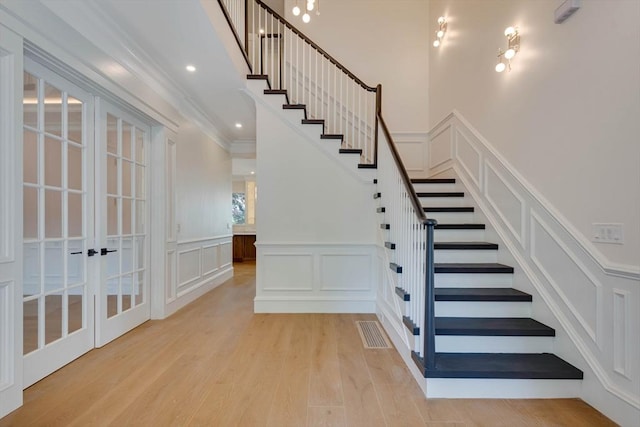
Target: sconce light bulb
[
  {"x": 296, "y": 10},
  {"x": 440, "y": 34},
  {"x": 441, "y": 20},
  {"x": 510, "y": 53},
  {"x": 436, "y": 43},
  {"x": 309, "y": 5},
  {"x": 500, "y": 67},
  {"x": 306, "y": 18},
  {"x": 509, "y": 31}
]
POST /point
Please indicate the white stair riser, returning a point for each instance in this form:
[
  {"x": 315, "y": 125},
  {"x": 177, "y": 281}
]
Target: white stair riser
[
  {"x": 458, "y": 235},
  {"x": 482, "y": 309},
  {"x": 423, "y": 188},
  {"x": 465, "y": 255},
  {"x": 452, "y": 217},
  {"x": 482, "y": 388},
  {"x": 481, "y": 280},
  {"x": 445, "y": 201},
  {"x": 467, "y": 344}
]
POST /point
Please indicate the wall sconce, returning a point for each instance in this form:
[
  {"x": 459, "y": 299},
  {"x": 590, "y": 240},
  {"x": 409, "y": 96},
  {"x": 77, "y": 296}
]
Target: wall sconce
[
  {"x": 441, "y": 30},
  {"x": 513, "y": 47}
]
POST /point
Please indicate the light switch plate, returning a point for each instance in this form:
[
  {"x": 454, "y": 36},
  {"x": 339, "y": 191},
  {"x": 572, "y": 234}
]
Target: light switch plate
[{"x": 608, "y": 233}]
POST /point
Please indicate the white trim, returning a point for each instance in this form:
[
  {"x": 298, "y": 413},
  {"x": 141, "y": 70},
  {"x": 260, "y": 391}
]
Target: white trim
[
  {"x": 585, "y": 258},
  {"x": 313, "y": 304},
  {"x": 197, "y": 274},
  {"x": 187, "y": 296},
  {"x": 204, "y": 239},
  {"x": 345, "y": 244},
  {"x": 610, "y": 268}
]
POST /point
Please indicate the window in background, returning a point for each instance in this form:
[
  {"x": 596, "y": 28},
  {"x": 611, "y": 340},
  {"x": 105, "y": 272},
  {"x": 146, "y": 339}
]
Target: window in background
[{"x": 238, "y": 208}]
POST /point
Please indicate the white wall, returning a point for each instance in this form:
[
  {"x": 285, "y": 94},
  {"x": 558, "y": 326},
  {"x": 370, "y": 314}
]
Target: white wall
[
  {"x": 383, "y": 42},
  {"x": 316, "y": 229},
  {"x": 566, "y": 116},
  {"x": 203, "y": 185}
]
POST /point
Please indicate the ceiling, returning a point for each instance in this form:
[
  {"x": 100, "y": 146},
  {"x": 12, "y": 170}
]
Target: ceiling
[{"x": 153, "y": 41}]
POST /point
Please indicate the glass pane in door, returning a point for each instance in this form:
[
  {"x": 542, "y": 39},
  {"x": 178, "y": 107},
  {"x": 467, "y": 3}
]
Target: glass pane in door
[{"x": 55, "y": 234}]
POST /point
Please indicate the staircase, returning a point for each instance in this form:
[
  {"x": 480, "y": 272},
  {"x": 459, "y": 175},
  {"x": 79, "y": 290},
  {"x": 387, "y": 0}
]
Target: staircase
[
  {"x": 474, "y": 335},
  {"x": 483, "y": 328}
]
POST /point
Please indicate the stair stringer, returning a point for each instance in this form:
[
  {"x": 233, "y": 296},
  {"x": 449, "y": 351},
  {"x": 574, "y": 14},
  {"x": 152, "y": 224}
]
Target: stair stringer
[
  {"x": 310, "y": 133},
  {"x": 390, "y": 309}
]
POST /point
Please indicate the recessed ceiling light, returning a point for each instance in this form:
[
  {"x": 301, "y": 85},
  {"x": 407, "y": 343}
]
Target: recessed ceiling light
[
  {"x": 261, "y": 30},
  {"x": 253, "y": 173},
  {"x": 190, "y": 68},
  {"x": 238, "y": 125}
]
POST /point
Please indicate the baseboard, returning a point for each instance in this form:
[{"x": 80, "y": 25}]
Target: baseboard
[{"x": 290, "y": 304}]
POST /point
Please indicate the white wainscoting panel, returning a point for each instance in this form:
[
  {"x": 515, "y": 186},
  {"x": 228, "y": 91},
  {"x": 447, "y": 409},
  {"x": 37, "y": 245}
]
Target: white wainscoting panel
[
  {"x": 469, "y": 157},
  {"x": 196, "y": 267},
  {"x": 566, "y": 275},
  {"x": 171, "y": 278},
  {"x": 189, "y": 266},
  {"x": 507, "y": 203},
  {"x": 315, "y": 278},
  {"x": 412, "y": 147},
  {"x": 440, "y": 147},
  {"x": 346, "y": 272},
  {"x": 621, "y": 330},
  {"x": 6, "y": 336},
  {"x": 210, "y": 259},
  {"x": 593, "y": 304},
  {"x": 287, "y": 272}
]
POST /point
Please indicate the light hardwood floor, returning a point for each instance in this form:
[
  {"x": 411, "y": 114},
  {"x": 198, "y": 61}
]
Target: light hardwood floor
[{"x": 215, "y": 363}]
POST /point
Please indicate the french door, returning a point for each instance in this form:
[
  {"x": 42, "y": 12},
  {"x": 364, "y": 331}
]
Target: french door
[
  {"x": 58, "y": 226},
  {"x": 85, "y": 216},
  {"x": 123, "y": 208}
]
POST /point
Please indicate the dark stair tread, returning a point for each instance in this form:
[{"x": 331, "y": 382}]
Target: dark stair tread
[
  {"x": 402, "y": 294},
  {"x": 381, "y": 209},
  {"x": 492, "y": 326},
  {"x": 460, "y": 227},
  {"x": 465, "y": 245},
  {"x": 389, "y": 245},
  {"x": 449, "y": 209},
  {"x": 395, "y": 267},
  {"x": 257, "y": 77},
  {"x": 351, "y": 151},
  {"x": 313, "y": 122},
  {"x": 440, "y": 194},
  {"x": 275, "y": 91},
  {"x": 503, "y": 365},
  {"x": 294, "y": 107},
  {"x": 433, "y": 181},
  {"x": 377, "y": 195},
  {"x": 481, "y": 294},
  {"x": 488, "y": 267},
  {"x": 413, "y": 328},
  {"x": 331, "y": 136},
  {"x": 385, "y": 226},
  {"x": 367, "y": 166}
]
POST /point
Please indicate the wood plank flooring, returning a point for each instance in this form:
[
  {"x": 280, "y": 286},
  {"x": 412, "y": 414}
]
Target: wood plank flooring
[{"x": 215, "y": 363}]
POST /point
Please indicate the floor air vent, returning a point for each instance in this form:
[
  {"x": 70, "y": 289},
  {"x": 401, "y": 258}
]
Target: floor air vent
[{"x": 372, "y": 334}]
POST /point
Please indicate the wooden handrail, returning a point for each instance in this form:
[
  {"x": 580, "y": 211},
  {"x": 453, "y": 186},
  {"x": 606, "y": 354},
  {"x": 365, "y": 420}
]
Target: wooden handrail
[
  {"x": 316, "y": 47},
  {"x": 417, "y": 207},
  {"x": 235, "y": 33}
]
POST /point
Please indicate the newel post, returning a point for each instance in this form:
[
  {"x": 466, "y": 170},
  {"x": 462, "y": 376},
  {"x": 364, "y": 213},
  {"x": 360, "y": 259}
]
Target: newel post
[
  {"x": 378, "y": 112},
  {"x": 429, "y": 303}
]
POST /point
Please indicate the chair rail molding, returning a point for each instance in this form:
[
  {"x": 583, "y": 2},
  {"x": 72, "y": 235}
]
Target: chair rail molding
[{"x": 595, "y": 301}]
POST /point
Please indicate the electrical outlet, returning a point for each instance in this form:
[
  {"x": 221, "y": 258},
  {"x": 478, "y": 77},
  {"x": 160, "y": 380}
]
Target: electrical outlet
[{"x": 608, "y": 233}]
